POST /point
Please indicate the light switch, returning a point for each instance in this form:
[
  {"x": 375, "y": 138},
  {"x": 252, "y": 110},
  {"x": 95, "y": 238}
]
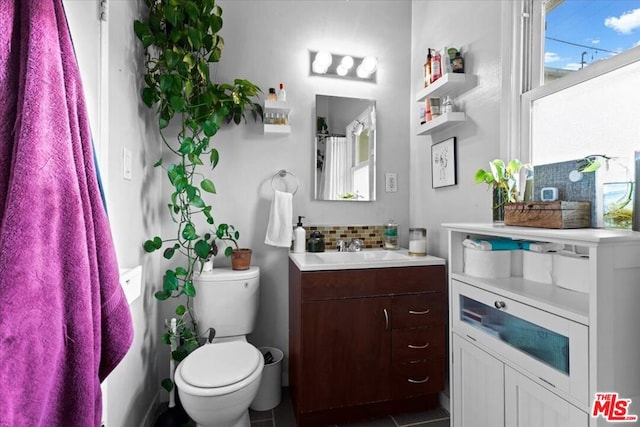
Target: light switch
[
  {"x": 126, "y": 164},
  {"x": 391, "y": 182}
]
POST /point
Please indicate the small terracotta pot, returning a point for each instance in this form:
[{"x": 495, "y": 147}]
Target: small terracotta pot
[{"x": 241, "y": 259}]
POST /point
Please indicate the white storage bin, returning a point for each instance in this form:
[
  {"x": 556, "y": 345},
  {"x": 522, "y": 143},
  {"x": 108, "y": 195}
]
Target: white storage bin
[
  {"x": 537, "y": 266},
  {"x": 571, "y": 271},
  {"x": 487, "y": 264}
]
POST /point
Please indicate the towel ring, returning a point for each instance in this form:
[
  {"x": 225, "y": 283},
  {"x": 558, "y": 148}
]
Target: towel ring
[{"x": 282, "y": 174}]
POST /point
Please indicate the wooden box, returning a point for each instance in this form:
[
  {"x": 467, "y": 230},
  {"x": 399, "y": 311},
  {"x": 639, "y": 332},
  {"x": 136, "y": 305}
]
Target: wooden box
[{"x": 558, "y": 214}]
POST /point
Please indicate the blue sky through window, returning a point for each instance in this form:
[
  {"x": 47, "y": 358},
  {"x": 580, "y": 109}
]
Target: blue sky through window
[{"x": 580, "y": 32}]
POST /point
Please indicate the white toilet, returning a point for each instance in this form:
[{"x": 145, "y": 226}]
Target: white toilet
[{"x": 218, "y": 381}]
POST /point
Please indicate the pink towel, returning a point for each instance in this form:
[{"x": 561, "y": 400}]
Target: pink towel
[{"x": 64, "y": 320}]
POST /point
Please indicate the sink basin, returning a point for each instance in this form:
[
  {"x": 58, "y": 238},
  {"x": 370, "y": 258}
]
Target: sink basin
[
  {"x": 368, "y": 258},
  {"x": 351, "y": 257}
]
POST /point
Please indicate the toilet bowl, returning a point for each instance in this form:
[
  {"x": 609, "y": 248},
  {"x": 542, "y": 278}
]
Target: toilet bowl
[{"x": 218, "y": 382}]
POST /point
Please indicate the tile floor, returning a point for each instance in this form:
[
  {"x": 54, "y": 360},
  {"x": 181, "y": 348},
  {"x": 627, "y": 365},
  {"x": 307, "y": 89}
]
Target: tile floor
[{"x": 282, "y": 416}]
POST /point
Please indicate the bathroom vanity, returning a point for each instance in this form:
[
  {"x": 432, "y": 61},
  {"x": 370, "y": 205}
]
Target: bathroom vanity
[
  {"x": 527, "y": 353},
  {"x": 367, "y": 335}
]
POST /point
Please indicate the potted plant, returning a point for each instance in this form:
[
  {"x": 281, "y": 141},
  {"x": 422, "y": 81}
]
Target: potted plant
[
  {"x": 240, "y": 257},
  {"x": 181, "y": 41},
  {"x": 505, "y": 179}
]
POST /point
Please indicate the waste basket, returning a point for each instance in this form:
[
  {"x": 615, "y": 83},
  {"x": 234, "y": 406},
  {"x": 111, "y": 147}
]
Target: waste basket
[{"x": 270, "y": 390}]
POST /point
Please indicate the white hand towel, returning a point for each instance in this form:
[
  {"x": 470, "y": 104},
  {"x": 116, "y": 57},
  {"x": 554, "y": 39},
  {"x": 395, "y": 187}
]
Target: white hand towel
[{"x": 279, "y": 230}]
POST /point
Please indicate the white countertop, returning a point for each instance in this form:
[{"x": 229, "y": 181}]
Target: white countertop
[
  {"x": 568, "y": 235},
  {"x": 366, "y": 258}
]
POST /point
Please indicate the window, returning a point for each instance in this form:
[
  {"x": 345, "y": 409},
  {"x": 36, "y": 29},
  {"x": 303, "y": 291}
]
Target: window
[
  {"x": 579, "y": 62},
  {"x": 579, "y": 33}
]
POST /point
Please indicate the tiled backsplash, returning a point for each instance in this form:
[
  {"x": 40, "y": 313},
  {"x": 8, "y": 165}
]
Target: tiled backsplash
[{"x": 370, "y": 234}]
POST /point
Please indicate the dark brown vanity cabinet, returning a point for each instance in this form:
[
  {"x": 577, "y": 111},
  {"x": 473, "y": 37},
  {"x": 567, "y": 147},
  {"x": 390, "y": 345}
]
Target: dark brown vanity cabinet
[{"x": 366, "y": 342}]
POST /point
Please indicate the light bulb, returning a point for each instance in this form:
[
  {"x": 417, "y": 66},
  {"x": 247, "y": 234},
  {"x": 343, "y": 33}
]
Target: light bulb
[
  {"x": 370, "y": 64},
  {"x": 342, "y": 70},
  {"x": 318, "y": 68},
  {"x": 361, "y": 72},
  {"x": 347, "y": 62},
  {"x": 323, "y": 58}
]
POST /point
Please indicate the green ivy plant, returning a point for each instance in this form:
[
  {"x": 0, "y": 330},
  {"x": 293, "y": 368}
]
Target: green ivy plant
[
  {"x": 181, "y": 42},
  {"x": 502, "y": 177}
]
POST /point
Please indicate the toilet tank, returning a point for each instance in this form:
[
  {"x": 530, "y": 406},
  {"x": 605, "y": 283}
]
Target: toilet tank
[{"x": 227, "y": 300}]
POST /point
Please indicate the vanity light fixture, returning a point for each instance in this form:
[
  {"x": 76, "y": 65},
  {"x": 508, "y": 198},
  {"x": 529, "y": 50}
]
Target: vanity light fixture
[{"x": 324, "y": 63}]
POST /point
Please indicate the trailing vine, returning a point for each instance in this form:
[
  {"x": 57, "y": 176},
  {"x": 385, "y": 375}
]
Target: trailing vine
[{"x": 181, "y": 42}]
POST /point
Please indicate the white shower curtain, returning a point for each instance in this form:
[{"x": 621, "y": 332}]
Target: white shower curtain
[{"x": 336, "y": 179}]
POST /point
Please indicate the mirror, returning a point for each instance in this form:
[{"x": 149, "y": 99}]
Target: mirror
[{"x": 345, "y": 147}]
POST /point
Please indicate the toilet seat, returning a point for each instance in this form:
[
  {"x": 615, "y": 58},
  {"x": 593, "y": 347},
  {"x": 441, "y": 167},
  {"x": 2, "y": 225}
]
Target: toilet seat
[{"x": 221, "y": 364}]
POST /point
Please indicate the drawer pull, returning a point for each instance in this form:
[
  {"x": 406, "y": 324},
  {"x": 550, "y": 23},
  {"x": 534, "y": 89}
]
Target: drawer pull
[
  {"x": 420, "y": 312},
  {"x": 418, "y": 346},
  {"x": 418, "y": 381},
  {"x": 499, "y": 304},
  {"x": 386, "y": 319}
]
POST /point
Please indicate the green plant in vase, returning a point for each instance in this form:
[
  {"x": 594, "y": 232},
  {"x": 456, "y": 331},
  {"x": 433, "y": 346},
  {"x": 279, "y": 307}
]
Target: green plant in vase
[
  {"x": 181, "y": 42},
  {"x": 504, "y": 179}
]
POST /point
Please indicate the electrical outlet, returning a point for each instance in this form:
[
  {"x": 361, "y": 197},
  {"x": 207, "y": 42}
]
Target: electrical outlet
[{"x": 391, "y": 182}]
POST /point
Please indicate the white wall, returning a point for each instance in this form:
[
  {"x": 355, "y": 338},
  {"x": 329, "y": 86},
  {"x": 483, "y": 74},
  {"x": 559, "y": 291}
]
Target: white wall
[
  {"x": 134, "y": 211},
  {"x": 268, "y": 42},
  {"x": 474, "y": 27}
]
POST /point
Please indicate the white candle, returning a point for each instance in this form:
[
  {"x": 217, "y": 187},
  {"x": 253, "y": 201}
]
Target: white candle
[{"x": 418, "y": 246}]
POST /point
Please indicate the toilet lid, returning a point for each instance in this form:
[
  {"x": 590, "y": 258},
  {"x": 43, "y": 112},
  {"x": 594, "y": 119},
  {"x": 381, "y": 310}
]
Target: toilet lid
[{"x": 220, "y": 364}]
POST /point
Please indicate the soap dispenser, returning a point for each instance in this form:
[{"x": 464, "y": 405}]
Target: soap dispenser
[{"x": 299, "y": 237}]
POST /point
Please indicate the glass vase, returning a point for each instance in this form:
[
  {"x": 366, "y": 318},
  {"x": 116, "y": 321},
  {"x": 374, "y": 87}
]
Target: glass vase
[
  {"x": 617, "y": 203},
  {"x": 499, "y": 200}
]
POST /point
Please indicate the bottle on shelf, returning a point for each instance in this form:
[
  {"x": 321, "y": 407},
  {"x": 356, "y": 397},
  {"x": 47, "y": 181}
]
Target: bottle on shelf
[
  {"x": 447, "y": 105},
  {"x": 272, "y": 94},
  {"x": 435, "y": 107},
  {"x": 436, "y": 67},
  {"x": 282, "y": 93},
  {"x": 457, "y": 64},
  {"x": 427, "y": 69}
]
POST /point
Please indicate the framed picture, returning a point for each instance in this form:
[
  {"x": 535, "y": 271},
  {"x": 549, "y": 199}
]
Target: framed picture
[{"x": 443, "y": 163}]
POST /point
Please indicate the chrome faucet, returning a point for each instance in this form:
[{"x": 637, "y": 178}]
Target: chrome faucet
[
  {"x": 355, "y": 245},
  {"x": 341, "y": 245}
]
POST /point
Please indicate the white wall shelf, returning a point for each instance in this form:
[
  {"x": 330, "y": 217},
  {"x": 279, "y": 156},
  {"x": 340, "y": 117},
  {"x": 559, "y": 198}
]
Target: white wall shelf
[
  {"x": 441, "y": 122},
  {"x": 277, "y": 107},
  {"x": 447, "y": 84},
  {"x": 277, "y": 128}
]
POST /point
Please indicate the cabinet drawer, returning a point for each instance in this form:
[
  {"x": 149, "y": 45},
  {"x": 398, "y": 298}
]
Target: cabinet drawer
[
  {"x": 325, "y": 285},
  {"x": 409, "y": 345},
  {"x": 413, "y": 279},
  {"x": 412, "y": 379},
  {"x": 551, "y": 348},
  {"x": 419, "y": 310}
]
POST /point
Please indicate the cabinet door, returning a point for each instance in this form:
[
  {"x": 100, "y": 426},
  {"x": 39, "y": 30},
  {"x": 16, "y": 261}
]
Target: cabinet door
[
  {"x": 478, "y": 387},
  {"x": 346, "y": 352},
  {"x": 530, "y": 405}
]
